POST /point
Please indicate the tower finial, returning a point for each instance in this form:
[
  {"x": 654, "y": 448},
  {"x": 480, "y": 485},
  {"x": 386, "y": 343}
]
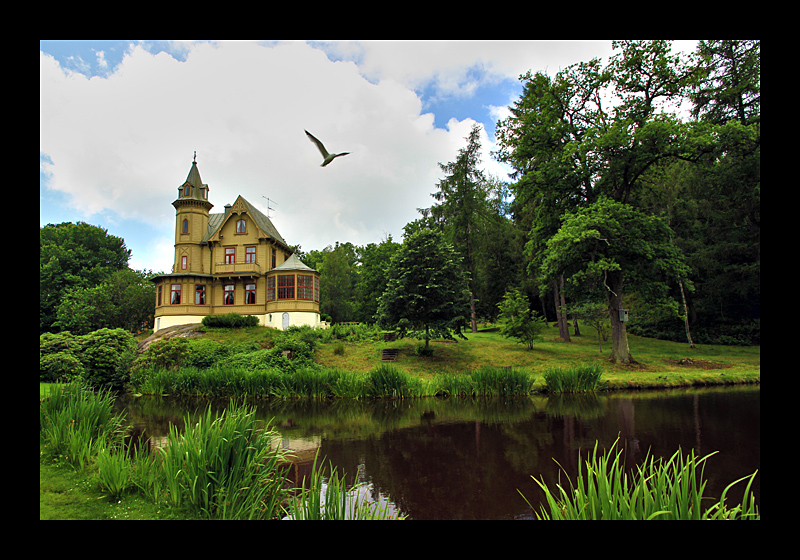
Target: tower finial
[{"x": 195, "y": 157}]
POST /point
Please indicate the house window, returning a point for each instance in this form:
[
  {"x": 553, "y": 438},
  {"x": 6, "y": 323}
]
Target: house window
[
  {"x": 286, "y": 286},
  {"x": 229, "y": 299},
  {"x": 249, "y": 293},
  {"x": 230, "y": 255},
  {"x": 185, "y": 227},
  {"x": 200, "y": 294},
  {"x": 175, "y": 294},
  {"x": 274, "y": 259},
  {"x": 270, "y": 288},
  {"x": 305, "y": 287},
  {"x": 241, "y": 226},
  {"x": 184, "y": 262},
  {"x": 158, "y": 300},
  {"x": 316, "y": 289},
  {"x": 249, "y": 254}
]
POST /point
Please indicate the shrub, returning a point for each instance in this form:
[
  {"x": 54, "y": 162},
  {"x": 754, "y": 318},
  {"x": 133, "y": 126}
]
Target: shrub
[
  {"x": 107, "y": 358},
  {"x": 59, "y": 357},
  {"x": 202, "y": 353},
  {"x": 169, "y": 353},
  {"x": 519, "y": 321},
  {"x": 61, "y": 367},
  {"x": 230, "y": 321}
]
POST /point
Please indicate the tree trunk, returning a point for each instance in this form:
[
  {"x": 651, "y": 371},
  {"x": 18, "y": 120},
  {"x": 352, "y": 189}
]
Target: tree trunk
[
  {"x": 620, "y": 352},
  {"x": 686, "y": 315},
  {"x": 564, "y": 312},
  {"x": 473, "y": 318},
  {"x": 563, "y": 332}
]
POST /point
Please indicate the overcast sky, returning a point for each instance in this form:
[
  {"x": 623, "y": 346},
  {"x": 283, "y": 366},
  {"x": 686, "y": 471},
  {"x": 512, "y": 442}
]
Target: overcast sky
[{"x": 121, "y": 120}]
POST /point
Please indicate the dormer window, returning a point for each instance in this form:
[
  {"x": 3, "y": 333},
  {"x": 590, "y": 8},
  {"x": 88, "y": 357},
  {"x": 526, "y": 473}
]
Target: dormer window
[
  {"x": 187, "y": 189},
  {"x": 241, "y": 226}
]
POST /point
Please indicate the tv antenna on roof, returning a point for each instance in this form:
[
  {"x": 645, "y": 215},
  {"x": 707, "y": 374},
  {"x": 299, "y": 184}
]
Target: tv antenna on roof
[{"x": 268, "y": 206}]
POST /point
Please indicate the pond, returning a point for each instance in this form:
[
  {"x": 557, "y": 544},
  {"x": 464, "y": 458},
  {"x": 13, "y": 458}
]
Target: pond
[{"x": 467, "y": 459}]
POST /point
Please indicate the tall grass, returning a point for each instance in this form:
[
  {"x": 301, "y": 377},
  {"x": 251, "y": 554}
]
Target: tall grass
[
  {"x": 225, "y": 467},
  {"x": 114, "y": 469},
  {"x": 485, "y": 381},
  {"x": 573, "y": 379},
  {"x": 312, "y": 382},
  {"x": 492, "y": 381},
  {"x": 658, "y": 489},
  {"x": 384, "y": 381},
  {"x": 75, "y": 422}
]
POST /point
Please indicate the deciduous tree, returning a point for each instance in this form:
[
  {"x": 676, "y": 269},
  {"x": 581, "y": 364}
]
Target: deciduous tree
[{"x": 427, "y": 290}]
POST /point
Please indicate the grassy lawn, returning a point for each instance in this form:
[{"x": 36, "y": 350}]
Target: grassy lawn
[
  {"x": 659, "y": 363},
  {"x": 65, "y": 494}
]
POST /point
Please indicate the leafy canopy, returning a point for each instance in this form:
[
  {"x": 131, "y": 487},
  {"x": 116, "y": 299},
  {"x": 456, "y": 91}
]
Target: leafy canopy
[{"x": 426, "y": 288}]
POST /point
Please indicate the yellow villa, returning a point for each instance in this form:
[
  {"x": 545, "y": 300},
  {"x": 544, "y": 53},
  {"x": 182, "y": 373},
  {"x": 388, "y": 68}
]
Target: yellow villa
[{"x": 233, "y": 262}]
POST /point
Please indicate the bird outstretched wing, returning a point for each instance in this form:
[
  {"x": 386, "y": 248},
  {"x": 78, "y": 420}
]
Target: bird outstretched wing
[{"x": 326, "y": 157}]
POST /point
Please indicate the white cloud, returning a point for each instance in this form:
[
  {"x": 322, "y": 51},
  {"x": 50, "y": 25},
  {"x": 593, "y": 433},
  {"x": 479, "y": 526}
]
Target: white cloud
[{"x": 123, "y": 143}]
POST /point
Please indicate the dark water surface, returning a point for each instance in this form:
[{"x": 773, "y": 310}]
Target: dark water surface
[{"x": 466, "y": 459}]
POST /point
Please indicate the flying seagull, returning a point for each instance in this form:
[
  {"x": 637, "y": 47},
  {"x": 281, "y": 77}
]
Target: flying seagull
[{"x": 327, "y": 157}]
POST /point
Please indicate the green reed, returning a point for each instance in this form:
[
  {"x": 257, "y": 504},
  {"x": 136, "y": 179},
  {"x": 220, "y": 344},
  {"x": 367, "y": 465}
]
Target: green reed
[
  {"x": 114, "y": 468},
  {"x": 487, "y": 381},
  {"x": 498, "y": 381},
  {"x": 573, "y": 379},
  {"x": 384, "y": 381},
  {"x": 225, "y": 467},
  {"x": 657, "y": 489},
  {"x": 75, "y": 422},
  {"x": 336, "y": 501}
]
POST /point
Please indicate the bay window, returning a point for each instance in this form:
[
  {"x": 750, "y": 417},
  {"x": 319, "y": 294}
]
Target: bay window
[
  {"x": 286, "y": 286},
  {"x": 305, "y": 287}
]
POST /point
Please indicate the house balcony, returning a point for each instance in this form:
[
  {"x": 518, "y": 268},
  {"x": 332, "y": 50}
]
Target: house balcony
[{"x": 241, "y": 269}]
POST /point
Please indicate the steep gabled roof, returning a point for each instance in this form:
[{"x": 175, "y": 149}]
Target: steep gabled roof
[{"x": 216, "y": 221}]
